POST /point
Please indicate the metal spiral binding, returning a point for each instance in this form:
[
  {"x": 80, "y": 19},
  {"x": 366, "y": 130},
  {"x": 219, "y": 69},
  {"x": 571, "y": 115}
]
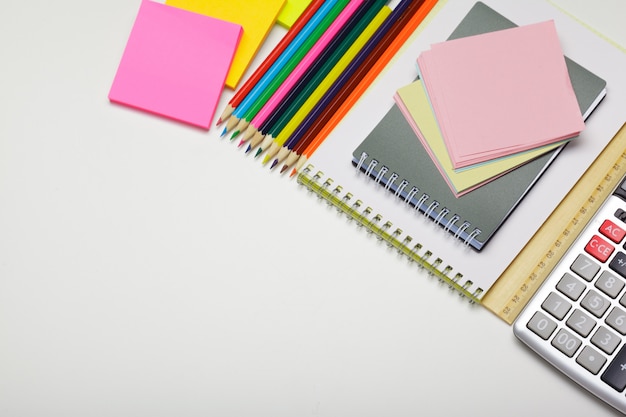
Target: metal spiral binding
[
  {"x": 384, "y": 230},
  {"x": 430, "y": 208}
]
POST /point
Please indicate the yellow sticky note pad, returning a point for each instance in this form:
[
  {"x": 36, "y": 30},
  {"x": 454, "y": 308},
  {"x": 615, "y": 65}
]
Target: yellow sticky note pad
[
  {"x": 255, "y": 16},
  {"x": 292, "y": 10}
]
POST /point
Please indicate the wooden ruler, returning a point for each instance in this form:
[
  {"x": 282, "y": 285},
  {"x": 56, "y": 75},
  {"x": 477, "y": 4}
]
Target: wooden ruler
[{"x": 529, "y": 269}]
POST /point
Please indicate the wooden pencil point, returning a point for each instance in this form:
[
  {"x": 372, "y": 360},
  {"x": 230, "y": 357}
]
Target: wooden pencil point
[
  {"x": 256, "y": 139},
  {"x": 225, "y": 114},
  {"x": 273, "y": 149},
  {"x": 249, "y": 133},
  {"x": 235, "y": 134},
  {"x": 231, "y": 123}
]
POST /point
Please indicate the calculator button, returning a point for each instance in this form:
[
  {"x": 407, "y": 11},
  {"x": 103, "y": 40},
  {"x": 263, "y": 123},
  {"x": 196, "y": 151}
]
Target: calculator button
[
  {"x": 605, "y": 340},
  {"x": 585, "y": 267},
  {"x": 618, "y": 264},
  {"x": 566, "y": 342},
  {"x": 615, "y": 374},
  {"x": 617, "y": 320},
  {"x": 571, "y": 286},
  {"x": 581, "y": 323},
  {"x": 609, "y": 284},
  {"x": 599, "y": 248},
  {"x": 591, "y": 360},
  {"x": 541, "y": 325},
  {"x": 556, "y": 305},
  {"x": 612, "y": 231},
  {"x": 595, "y": 303}
]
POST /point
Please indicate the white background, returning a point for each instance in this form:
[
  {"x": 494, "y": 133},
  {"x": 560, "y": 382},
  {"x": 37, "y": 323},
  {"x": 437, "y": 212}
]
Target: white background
[{"x": 148, "y": 268}]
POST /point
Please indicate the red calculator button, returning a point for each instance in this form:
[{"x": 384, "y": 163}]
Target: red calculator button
[
  {"x": 612, "y": 231},
  {"x": 599, "y": 248}
]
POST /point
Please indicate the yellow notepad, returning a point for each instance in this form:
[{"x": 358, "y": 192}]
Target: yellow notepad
[
  {"x": 291, "y": 11},
  {"x": 255, "y": 16}
]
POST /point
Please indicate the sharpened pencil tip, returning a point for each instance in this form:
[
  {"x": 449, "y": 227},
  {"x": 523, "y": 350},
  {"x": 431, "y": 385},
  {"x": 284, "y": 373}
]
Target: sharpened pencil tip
[
  {"x": 223, "y": 132},
  {"x": 219, "y": 122},
  {"x": 235, "y": 134},
  {"x": 241, "y": 142},
  {"x": 249, "y": 149},
  {"x": 274, "y": 163},
  {"x": 284, "y": 168},
  {"x": 293, "y": 172},
  {"x": 258, "y": 152}
]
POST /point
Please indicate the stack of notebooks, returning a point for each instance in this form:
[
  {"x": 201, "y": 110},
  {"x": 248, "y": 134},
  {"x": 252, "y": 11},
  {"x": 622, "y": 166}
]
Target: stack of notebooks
[
  {"x": 465, "y": 233},
  {"x": 489, "y": 111}
]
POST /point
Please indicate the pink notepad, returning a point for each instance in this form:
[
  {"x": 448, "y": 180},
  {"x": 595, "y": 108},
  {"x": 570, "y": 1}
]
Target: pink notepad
[
  {"x": 500, "y": 93},
  {"x": 175, "y": 63}
]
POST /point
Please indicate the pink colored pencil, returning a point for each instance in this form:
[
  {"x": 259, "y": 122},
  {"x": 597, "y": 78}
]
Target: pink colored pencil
[{"x": 302, "y": 68}]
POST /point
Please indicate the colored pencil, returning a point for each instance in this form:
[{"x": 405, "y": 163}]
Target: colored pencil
[
  {"x": 277, "y": 67},
  {"x": 318, "y": 93},
  {"x": 270, "y": 59},
  {"x": 302, "y": 59},
  {"x": 343, "y": 87},
  {"x": 286, "y": 93},
  {"x": 264, "y": 107},
  {"x": 300, "y": 93},
  {"x": 284, "y": 117},
  {"x": 362, "y": 79},
  {"x": 299, "y": 132}
]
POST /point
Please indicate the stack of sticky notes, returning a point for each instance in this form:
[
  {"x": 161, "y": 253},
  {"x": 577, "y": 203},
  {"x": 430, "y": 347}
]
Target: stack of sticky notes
[
  {"x": 486, "y": 104},
  {"x": 180, "y": 55}
]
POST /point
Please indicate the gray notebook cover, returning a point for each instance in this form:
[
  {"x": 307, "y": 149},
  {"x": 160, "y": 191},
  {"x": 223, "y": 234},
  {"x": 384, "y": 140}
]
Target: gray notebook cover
[{"x": 395, "y": 158}]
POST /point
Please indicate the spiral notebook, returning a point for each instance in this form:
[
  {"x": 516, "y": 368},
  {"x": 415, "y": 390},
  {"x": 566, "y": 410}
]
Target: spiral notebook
[
  {"x": 331, "y": 175},
  {"x": 396, "y": 159}
]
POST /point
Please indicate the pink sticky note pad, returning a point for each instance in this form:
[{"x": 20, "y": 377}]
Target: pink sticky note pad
[
  {"x": 501, "y": 92},
  {"x": 175, "y": 63}
]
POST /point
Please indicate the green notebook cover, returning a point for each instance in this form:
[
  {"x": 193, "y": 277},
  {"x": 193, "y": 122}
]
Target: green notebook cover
[{"x": 394, "y": 156}]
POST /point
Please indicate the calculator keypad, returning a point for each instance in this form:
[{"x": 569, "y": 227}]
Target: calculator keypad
[{"x": 577, "y": 319}]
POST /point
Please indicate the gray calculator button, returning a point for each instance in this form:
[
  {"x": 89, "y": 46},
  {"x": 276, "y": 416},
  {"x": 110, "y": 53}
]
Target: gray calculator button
[
  {"x": 606, "y": 340},
  {"x": 556, "y": 305},
  {"x": 581, "y": 323},
  {"x": 609, "y": 284},
  {"x": 571, "y": 286},
  {"x": 566, "y": 342},
  {"x": 595, "y": 303},
  {"x": 617, "y": 320},
  {"x": 585, "y": 267},
  {"x": 541, "y": 325},
  {"x": 591, "y": 360}
]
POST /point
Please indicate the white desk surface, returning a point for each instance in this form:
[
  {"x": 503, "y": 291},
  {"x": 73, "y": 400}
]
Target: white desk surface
[{"x": 144, "y": 270}]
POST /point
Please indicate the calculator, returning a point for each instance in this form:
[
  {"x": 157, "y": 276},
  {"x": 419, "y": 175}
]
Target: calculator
[{"x": 577, "y": 319}]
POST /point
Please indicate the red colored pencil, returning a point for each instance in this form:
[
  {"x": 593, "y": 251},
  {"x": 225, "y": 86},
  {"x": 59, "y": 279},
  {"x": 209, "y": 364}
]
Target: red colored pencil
[{"x": 269, "y": 60}]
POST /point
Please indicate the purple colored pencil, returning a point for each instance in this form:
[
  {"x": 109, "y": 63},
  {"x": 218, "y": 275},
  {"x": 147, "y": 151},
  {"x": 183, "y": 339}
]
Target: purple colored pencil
[{"x": 352, "y": 67}]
